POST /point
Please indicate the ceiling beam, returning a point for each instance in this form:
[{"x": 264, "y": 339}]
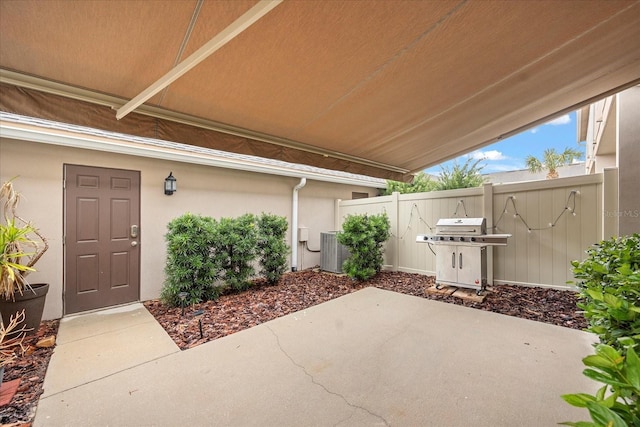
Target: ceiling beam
[{"x": 238, "y": 26}]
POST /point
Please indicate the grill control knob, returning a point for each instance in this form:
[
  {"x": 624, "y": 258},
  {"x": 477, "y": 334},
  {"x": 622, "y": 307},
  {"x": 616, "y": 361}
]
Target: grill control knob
[
  {"x": 462, "y": 239},
  {"x": 450, "y": 238},
  {"x": 440, "y": 238},
  {"x": 473, "y": 239}
]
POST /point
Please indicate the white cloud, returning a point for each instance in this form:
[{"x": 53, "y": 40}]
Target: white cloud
[
  {"x": 487, "y": 155},
  {"x": 558, "y": 121},
  {"x": 562, "y": 120}
]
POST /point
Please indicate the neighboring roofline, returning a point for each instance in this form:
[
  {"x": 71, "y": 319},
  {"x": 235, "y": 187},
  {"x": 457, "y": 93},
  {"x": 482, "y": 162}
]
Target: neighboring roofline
[
  {"x": 582, "y": 122},
  {"x": 49, "y": 132}
]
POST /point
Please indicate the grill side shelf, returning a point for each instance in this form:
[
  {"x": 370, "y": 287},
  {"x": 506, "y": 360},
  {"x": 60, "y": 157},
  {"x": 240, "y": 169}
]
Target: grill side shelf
[{"x": 483, "y": 240}]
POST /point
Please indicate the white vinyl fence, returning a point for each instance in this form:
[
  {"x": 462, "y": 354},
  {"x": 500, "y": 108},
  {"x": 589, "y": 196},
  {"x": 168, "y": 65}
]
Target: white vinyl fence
[{"x": 552, "y": 222}]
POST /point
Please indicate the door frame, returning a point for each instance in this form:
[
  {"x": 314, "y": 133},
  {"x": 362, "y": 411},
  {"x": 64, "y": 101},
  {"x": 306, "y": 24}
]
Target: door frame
[{"x": 65, "y": 226}]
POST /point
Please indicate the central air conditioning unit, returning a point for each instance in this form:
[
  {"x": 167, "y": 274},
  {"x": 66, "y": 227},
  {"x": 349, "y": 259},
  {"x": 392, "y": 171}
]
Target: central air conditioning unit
[{"x": 332, "y": 253}]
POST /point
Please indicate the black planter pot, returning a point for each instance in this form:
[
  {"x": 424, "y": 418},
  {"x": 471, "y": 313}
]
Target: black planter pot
[{"x": 32, "y": 301}]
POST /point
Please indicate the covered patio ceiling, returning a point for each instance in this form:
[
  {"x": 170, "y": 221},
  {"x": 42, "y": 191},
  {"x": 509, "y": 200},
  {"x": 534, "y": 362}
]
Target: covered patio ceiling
[{"x": 383, "y": 88}]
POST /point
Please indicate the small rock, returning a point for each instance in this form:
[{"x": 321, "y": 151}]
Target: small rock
[{"x": 46, "y": 342}]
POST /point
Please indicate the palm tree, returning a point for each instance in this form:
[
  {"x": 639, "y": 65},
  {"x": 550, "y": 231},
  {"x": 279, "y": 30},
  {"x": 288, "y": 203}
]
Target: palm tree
[{"x": 552, "y": 160}]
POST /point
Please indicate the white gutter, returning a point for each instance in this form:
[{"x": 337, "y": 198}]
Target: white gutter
[{"x": 294, "y": 224}]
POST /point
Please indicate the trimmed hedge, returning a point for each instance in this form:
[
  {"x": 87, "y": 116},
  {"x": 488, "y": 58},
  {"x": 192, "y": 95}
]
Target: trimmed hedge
[
  {"x": 190, "y": 267},
  {"x": 204, "y": 255},
  {"x": 364, "y": 236}
]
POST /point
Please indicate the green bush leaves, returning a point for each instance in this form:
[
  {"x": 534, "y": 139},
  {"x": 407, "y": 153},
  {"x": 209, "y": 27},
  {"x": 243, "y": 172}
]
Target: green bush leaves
[
  {"x": 610, "y": 297},
  {"x": 190, "y": 267},
  {"x": 621, "y": 375},
  {"x": 204, "y": 255},
  {"x": 364, "y": 236},
  {"x": 234, "y": 250},
  {"x": 610, "y": 288},
  {"x": 272, "y": 248}
]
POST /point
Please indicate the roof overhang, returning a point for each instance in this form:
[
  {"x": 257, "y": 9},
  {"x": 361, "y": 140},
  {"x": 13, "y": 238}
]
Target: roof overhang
[{"x": 382, "y": 88}]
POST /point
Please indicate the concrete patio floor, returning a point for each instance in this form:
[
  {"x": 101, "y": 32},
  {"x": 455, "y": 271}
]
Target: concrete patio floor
[{"x": 370, "y": 358}]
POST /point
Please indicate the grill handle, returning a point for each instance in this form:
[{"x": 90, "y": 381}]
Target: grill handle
[
  {"x": 460, "y": 263},
  {"x": 453, "y": 260}
]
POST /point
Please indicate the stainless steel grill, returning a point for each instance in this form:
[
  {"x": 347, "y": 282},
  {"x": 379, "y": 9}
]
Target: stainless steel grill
[{"x": 460, "y": 248}]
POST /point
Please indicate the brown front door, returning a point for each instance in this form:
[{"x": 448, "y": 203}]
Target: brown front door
[{"x": 102, "y": 232}]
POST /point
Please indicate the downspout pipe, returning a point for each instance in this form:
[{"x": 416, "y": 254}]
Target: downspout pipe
[{"x": 294, "y": 224}]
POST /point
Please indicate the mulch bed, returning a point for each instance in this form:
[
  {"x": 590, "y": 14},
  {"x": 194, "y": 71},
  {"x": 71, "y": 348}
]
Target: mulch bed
[
  {"x": 234, "y": 312},
  {"x": 30, "y": 369}
]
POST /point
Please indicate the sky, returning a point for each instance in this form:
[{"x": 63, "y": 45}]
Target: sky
[{"x": 510, "y": 154}]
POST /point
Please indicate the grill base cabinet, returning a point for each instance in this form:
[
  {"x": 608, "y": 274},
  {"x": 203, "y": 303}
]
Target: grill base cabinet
[
  {"x": 332, "y": 253},
  {"x": 461, "y": 251},
  {"x": 462, "y": 266}
]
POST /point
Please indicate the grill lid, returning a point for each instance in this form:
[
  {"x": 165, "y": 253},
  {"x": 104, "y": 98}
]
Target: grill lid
[{"x": 461, "y": 226}]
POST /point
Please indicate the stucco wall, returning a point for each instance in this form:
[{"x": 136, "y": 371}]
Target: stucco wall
[
  {"x": 629, "y": 159},
  {"x": 203, "y": 190}
]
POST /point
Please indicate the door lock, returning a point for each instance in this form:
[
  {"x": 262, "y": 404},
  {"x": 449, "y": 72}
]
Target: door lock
[{"x": 134, "y": 231}]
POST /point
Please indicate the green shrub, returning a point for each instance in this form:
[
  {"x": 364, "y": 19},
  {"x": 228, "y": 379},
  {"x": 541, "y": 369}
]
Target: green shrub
[
  {"x": 234, "y": 250},
  {"x": 609, "y": 283},
  {"x": 421, "y": 183},
  {"x": 620, "y": 374},
  {"x": 364, "y": 236},
  {"x": 189, "y": 266},
  {"x": 272, "y": 248},
  {"x": 465, "y": 176}
]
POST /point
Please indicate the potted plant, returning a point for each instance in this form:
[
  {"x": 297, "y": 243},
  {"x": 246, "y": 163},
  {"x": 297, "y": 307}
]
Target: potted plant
[
  {"x": 21, "y": 246},
  {"x": 11, "y": 337}
]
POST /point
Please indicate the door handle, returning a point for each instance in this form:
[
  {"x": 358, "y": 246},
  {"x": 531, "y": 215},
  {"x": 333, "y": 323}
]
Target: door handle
[{"x": 134, "y": 243}]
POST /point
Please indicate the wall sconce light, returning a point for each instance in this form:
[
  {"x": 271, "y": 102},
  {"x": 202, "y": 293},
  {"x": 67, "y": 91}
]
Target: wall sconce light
[{"x": 170, "y": 184}]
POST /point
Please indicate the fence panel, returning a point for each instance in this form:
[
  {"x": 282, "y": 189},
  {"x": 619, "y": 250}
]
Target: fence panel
[
  {"x": 419, "y": 213},
  {"x": 551, "y": 223}
]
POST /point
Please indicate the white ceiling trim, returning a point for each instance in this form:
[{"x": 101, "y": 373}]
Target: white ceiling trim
[{"x": 225, "y": 36}]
